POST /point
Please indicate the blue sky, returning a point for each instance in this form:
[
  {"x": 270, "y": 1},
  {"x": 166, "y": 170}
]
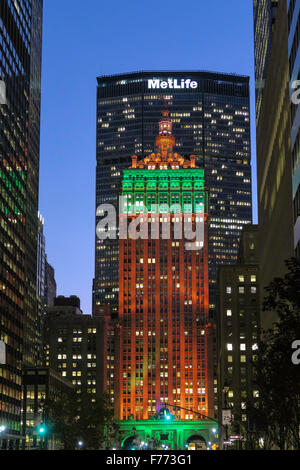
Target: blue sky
[{"x": 82, "y": 40}]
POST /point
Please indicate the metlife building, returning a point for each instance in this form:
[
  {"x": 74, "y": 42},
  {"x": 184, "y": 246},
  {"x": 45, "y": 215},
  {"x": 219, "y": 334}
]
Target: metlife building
[{"x": 211, "y": 119}]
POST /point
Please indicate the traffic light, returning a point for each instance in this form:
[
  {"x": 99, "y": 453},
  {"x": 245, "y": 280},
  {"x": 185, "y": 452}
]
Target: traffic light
[
  {"x": 42, "y": 429},
  {"x": 165, "y": 414}
]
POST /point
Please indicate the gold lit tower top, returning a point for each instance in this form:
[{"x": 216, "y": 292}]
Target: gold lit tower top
[{"x": 164, "y": 158}]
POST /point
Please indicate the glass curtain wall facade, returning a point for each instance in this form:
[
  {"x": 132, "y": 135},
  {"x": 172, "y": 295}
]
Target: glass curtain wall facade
[
  {"x": 264, "y": 14},
  {"x": 293, "y": 9},
  {"x": 40, "y": 287},
  {"x": 274, "y": 162},
  {"x": 20, "y": 71},
  {"x": 210, "y": 116}
]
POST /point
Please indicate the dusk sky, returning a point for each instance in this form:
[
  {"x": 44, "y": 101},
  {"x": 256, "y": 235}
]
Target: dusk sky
[{"x": 82, "y": 40}]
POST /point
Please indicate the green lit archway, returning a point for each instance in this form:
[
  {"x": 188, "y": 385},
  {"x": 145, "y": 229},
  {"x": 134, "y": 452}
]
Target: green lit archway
[
  {"x": 131, "y": 442},
  {"x": 174, "y": 434}
]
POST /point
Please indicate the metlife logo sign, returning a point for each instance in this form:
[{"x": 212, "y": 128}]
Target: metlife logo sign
[{"x": 172, "y": 84}]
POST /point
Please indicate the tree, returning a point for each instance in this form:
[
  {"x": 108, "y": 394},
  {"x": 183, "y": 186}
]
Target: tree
[
  {"x": 75, "y": 417},
  {"x": 95, "y": 421},
  {"x": 276, "y": 416},
  {"x": 61, "y": 412}
]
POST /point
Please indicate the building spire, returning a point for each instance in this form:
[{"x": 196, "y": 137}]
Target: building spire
[
  {"x": 164, "y": 157},
  {"x": 165, "y": 141}
]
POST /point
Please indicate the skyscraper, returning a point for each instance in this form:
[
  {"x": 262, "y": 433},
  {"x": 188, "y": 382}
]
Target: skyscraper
[
  {"x": 274, "y": 162},
  {"x": 163, "y": 276},
  {"x": 210, "y": 115},
  {"x": 40, "y": 289},
  {"x": 50, "y": 285},
  {"x": 73, "y": 345},
  {"x": 238, "y": 333},
  {"x": 20, "y": 70},
  {"x": 264, "y": 17}
]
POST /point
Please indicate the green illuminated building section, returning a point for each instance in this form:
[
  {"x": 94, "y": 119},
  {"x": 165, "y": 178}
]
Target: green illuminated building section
[
  {"x": 168, "y": 434},
  {"x": 12, "y": 185},
  {"x": 171, "y": 190}
]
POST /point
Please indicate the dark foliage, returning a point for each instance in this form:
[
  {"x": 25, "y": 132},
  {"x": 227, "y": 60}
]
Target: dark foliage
[{"x": 276, "y": 418}]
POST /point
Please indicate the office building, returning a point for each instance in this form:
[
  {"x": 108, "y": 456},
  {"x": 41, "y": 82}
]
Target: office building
[
  {"x": 274, "y": 163},
  {"x": 40, "y": 289},
  {"x": 265, "y": 12},
  {"x": 20, "y": 75},
  {"x": 40, "y": 384},
  {"x": 293, "y": 9},
  {"x": 50, "y": 285},
  {"x": 74, "y": 346},
  {"x": 45, "y": 290},
  {"x": 211, "y": 118},
  {"x": 164, "y": 334},
  {"x": 108, "y": 350},
  {"x": 238, "y": 330},
  {"x": 264, "y": 18}
]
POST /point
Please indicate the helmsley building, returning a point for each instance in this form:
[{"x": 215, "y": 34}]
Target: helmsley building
[
  {"x": 164, "y": 353},
  {"x": 210, "y": 113},
  {"x": 163, "y": 298}
]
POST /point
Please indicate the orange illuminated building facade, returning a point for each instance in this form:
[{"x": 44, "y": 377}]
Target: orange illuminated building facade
[{"x": 164, "y": 343}]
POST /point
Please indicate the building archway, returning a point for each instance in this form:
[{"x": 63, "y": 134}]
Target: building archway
[
  {"x": 131, "y": 442},
  {"x": 196, "y": 442}
]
